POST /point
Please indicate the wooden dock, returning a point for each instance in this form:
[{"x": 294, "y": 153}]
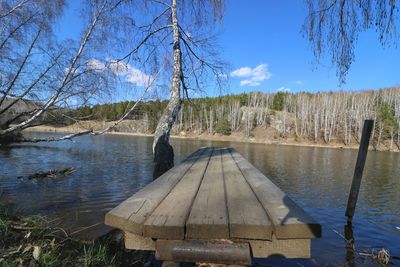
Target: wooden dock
[{"x": 215, "y": 194}]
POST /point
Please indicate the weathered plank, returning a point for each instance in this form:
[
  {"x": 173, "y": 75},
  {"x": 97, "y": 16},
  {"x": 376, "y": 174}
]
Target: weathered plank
[
  {"x": 203, "y": 251},
  {"x": 138, "y": 242},
  {"x": 208, "y": 218},
  {"x": 287, "y": 248},
  {"x": 167, "y": 221},
  {"x": 131, "y": 213},
  {"x": 289, "y": 220},
  {"x": 247, "y": 217},
  {"x": 358, "y": 171}
]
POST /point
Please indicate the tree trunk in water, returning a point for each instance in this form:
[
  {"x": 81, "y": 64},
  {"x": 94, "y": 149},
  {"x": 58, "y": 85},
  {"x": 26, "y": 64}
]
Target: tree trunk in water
[
  {"x": 398, "y": 140},
  {"x": 162, "y": 150},
  {"x": 379, "y": 135},
  {"x": 391, "y": 138}
]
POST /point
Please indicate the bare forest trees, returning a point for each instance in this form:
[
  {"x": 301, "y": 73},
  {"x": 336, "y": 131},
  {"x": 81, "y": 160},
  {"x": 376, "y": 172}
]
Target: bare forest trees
[
  {"x": 43, "y": 78},
  {"x": 318, "y": 117}
]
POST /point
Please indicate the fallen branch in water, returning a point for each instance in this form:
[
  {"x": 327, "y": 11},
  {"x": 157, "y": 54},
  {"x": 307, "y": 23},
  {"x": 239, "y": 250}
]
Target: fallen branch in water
[
  {"x": 85, "y": 228},
  {"x": 381, "y": 256},
  {"x": 52, "y": 173}
]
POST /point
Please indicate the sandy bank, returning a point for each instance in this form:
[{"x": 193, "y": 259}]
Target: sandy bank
[{"x": 260, "y": 137}]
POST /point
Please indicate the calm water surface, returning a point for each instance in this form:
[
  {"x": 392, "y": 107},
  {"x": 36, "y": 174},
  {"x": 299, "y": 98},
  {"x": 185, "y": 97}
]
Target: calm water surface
[{"x": 110, "y": 168}]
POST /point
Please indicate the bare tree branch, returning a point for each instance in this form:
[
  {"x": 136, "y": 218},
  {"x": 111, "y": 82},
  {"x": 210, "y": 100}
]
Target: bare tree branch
[
  {"x": 65, "y": 80},
  {"x": 14, "y": 8},
  {"x": 10, "y": 86},
  {"x": 23, "y": 23},
  {"x": 145, "y": 39},
  {"x": 53, "y": 139},
  {"x": 43, "y": 74}
]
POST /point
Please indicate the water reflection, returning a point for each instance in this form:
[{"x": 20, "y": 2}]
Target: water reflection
[
  {"x": 111, "y": 168},
  {"x": 350, "y": 249}
]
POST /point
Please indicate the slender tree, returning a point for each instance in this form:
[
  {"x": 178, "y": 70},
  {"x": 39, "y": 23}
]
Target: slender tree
[{"x": 177, "y": 38}]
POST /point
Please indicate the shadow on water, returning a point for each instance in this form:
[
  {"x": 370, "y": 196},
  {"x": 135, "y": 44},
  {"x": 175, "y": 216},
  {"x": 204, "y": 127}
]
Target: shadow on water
[
  {"x": 296, "y": 214},
  {"x": 350, "y": 244}
]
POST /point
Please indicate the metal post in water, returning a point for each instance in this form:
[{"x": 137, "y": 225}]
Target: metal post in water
[{"x": 358, "y": 172}]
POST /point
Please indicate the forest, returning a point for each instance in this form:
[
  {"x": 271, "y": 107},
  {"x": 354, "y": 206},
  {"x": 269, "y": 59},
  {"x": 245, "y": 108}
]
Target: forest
[{"x": 323, "y": 117}]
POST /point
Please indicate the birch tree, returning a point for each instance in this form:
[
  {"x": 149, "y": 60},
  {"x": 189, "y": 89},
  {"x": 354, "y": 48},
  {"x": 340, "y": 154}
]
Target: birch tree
[
  {"x": 334, "y": 27},
  {"x": 182, "y": 29},
  {"x": 44, "y": 74}
]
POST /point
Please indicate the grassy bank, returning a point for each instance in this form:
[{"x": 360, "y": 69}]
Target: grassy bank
[{"x": 35, "y": 241}]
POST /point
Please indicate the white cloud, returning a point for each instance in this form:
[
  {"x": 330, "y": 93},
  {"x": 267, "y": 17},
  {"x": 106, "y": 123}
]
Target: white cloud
[
  {"x": 283, "y": 89},
  {"x": 254, "y": 75},
  {"x": 73, "y": 70},
  {"x": 222, "y": 75},
  {"x": 298, "y": 82},
  {"x": 131, "y": 74},
  {"x": 96, "y": 65},
  {"x": 249, "y": 83},
  {"x": 242, "y": 72}
]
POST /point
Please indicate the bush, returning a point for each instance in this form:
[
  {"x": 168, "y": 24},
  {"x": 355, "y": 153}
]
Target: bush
[{"x": 223, "y": 127}]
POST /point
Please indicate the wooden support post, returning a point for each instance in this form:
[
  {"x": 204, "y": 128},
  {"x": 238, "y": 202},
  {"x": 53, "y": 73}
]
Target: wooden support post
[{"x": 362, "y": 156}]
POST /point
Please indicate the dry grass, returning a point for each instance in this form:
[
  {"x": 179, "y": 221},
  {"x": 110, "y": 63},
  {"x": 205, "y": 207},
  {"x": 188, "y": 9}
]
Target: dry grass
[{"x": 35, "y": 241}]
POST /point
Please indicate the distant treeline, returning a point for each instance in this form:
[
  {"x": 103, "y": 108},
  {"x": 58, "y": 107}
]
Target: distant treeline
[{"x": 324, "y": 116}]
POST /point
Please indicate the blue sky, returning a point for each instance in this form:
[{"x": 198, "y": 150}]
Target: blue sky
[
  {"x": 269, "y": 32},
  {"x": 263, "y": 43}
]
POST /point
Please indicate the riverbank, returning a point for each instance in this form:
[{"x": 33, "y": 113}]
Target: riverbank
[
  {"x": 259, "y": 136},
  {"x": 34, "y": 240}
]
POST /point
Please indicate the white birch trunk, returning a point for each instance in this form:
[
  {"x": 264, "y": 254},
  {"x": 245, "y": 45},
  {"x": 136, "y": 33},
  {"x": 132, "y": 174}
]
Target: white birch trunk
[{"x": 162, "y": 150}]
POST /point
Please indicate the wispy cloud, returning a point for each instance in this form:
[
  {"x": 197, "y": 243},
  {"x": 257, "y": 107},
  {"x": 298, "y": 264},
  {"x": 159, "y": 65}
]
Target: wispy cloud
[
  {"x": 253, "y": 76},
  {"x": 298, "y": 82},
  {"x": 283, "y": 89},
  {"x": 96, "y": 65},
  {"x": 130, "y": 73}
]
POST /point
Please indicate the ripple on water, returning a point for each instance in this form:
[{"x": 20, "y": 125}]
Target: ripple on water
[{"x": 111, "y": 168}]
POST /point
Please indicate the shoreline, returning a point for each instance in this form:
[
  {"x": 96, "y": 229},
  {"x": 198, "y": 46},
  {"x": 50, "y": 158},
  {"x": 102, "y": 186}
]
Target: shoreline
[{"x": 215, "y": 137}]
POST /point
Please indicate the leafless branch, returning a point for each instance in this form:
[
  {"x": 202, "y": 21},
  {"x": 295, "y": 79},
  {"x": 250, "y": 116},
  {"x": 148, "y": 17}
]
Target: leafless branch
[
  {"x": 65, "y": 80},
  {"x": 156, "y": 19},
  {"x": 14, "y": 8},
  {"x": 53, "y": 139},
  {"x": 15, "y": 30},
  {"x": 145, "y": 39},
  {"x": 16, "y": 99},
  {"x": 161, "y": 3},
  {"x": 10, "y": 86}
]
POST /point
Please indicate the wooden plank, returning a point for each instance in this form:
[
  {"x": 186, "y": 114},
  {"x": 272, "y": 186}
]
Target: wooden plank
[
  {"x": 247, "y": 217},
  {"x": 138, "y": 242},
  {"x": 287, "y": 248},
  {"x": 208, "y": 251},
  {"x": 167, "y": 221},
  {"x": 131, "y": 213},
  {"x": 208, "y": 217},
  {"x": 289, "y": 220}
]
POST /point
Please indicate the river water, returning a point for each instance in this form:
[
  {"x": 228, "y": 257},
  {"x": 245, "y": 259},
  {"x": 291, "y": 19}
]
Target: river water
[{"x": 110, "y": 168}]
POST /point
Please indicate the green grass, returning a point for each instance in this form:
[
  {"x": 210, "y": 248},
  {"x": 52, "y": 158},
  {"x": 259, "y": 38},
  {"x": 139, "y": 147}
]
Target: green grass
[
  {"x": 97, "y": 254},
  {"x": 8, "y": 263},
  {"x": 20, "y": 234},
  {"x": 49, "y": 259}
]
